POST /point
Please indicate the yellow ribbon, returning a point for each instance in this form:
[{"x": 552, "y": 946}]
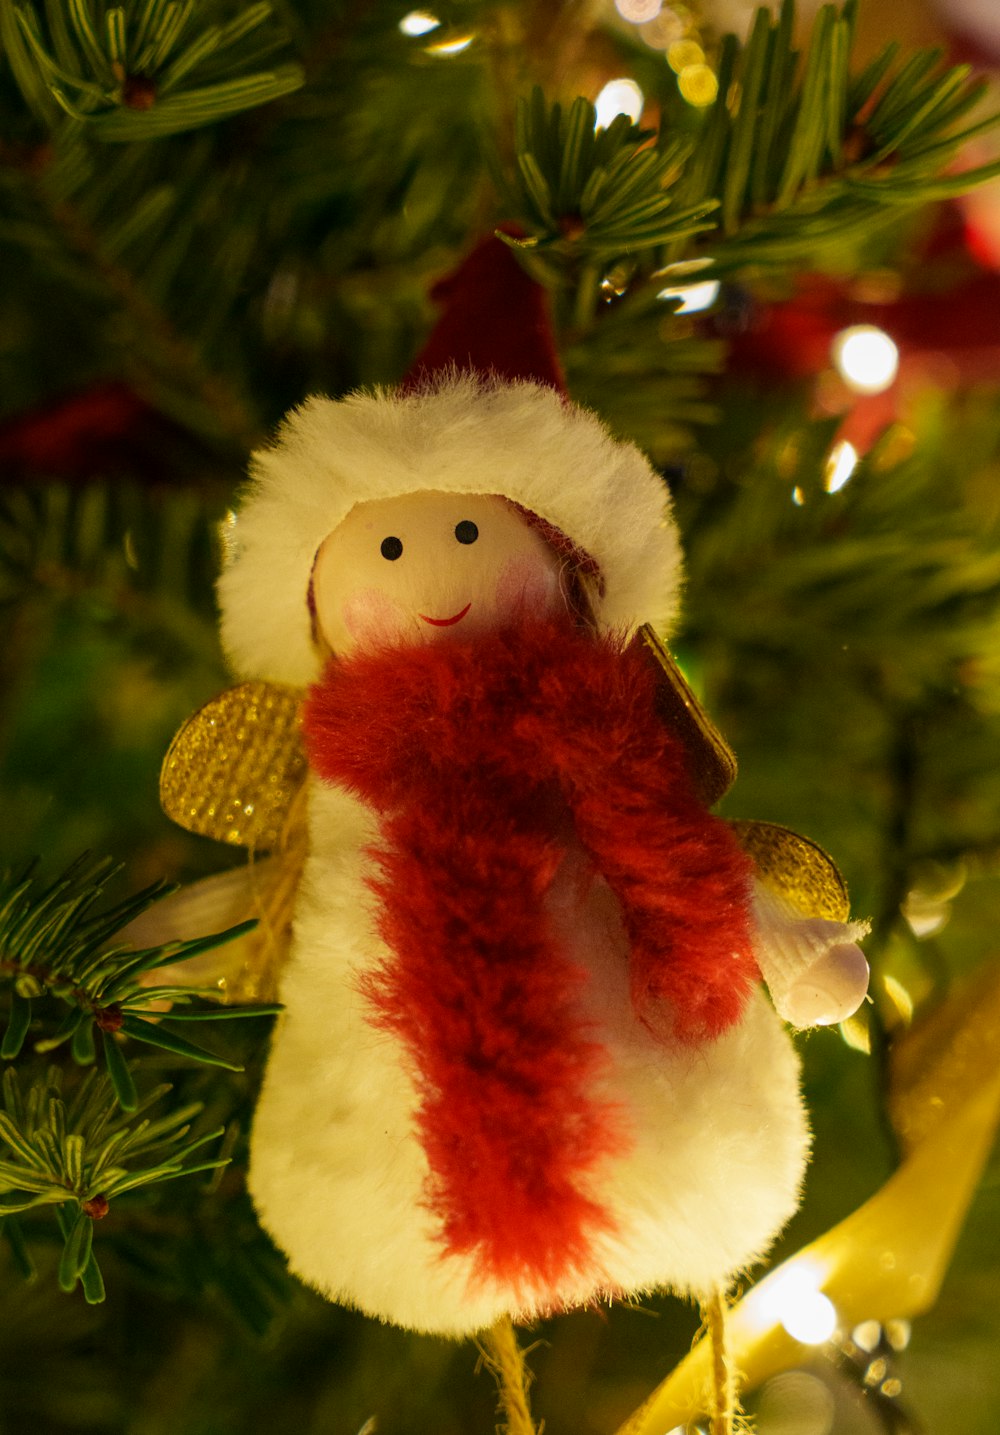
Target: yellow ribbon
[{"x": 888, "y": 1258}]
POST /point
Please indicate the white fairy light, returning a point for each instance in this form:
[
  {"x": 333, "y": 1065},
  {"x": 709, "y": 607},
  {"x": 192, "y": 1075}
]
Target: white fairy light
[
  {"x": 619, "y": 97},
  {"x": 866, "y": 358},
  {"x": 638, "y": 12},
  {"x": 792, "y": 1299},
  {"x": 813, "y": 1320},
  {"x": 841, "y": 462},
  {"x": 419, "y": 22},
  {"x": 454, "y": 46},
  {"x": 694, "y": 297}
]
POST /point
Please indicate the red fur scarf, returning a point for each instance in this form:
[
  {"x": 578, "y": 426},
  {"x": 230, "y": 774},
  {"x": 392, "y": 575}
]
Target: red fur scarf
[{"x": 481, "y": 758}]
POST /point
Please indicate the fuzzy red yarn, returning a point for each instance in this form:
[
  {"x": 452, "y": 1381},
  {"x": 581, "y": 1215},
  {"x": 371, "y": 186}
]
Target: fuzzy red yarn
[{"x": 482, "y": 757}]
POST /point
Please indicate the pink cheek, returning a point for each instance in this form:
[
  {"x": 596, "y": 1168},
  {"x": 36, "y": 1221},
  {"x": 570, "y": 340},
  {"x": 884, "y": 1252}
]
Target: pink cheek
[
  {"x": 528, "y": 584},
  {"x": 370, "y": 615}
]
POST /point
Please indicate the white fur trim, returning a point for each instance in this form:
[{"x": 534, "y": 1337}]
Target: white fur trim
[
  {"x": 719, "y": 1137},
  {"x": 459, "y": 435}
]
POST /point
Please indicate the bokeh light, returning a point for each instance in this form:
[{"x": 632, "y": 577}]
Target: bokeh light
[
  {"x": 661, "y": 32},
  {"x": 796, "y": 1403},
  {"x": 453, "y": 45},
  {"x": 841, "y": 462},
  {"x": 637, "y": 12},
  {"x": 866, "y": 358},
  {"x": 698, "y": 85},
  {"x": 694, "y": 297},
  {"x": 792, "y": 1299},
  {"x": 619, "y": 97},
  {"x": 683, "y": 53},
  {"x": 419, "y": 22}
]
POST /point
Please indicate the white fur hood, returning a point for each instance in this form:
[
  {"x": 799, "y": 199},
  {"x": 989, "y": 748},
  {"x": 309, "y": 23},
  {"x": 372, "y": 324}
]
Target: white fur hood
[{"x": 460, "y": 434}]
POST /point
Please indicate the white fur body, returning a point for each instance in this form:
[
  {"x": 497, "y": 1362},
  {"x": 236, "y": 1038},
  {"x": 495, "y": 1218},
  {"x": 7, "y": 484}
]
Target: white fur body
[{"x": 716, "y": 1134}]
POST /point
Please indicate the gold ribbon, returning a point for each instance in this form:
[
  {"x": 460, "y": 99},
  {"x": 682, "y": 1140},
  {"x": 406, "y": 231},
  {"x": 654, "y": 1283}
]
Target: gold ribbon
[{"x": 887, "y": 1260}]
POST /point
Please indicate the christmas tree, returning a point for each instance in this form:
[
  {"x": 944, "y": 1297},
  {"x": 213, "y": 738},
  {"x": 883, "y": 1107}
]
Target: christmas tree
[{"x": 772, "y": 261}]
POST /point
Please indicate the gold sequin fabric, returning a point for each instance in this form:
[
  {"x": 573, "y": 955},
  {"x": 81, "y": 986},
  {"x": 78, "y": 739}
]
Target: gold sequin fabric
[{"x": 233, "y": 770}]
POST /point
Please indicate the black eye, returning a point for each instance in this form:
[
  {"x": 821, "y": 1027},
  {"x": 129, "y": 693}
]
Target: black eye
[
  {"x": 391, "y": 548},
  {"x": 466, "y": 531}
]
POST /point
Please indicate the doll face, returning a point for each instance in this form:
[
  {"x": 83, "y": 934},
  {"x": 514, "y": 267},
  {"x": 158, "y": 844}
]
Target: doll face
[{"x": 427, "y": 565}]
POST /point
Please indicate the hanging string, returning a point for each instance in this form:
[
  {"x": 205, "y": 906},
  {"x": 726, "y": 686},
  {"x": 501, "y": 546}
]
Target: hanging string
[
  {"x": 723, "y": 1407},
  {"x": 504, "y": 1359}
]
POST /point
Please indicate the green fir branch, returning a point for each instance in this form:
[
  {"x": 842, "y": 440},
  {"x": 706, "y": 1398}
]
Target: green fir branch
[
  {"x": 647, "y": 372},
  {"x": 116, "y": 545},
  {"x": 122, "y": 72},
  {"x": 797, "y": 154},
  {"x": 596, "y": 195},
  {"x": 54, "y": 945},
  {"x": 806, "y": 154},
  {"x": 80, "y": 1155},
  {"x": 126, "y": 231}
]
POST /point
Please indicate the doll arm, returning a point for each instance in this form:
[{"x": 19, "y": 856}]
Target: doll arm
[
  {"x": 814, "y": 970},
  {"x": 681, "y": 879},
  {"x": 683, "y": 890}
]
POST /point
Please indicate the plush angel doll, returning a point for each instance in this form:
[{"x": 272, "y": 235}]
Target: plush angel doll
[{"x": 525, "y": 1060}]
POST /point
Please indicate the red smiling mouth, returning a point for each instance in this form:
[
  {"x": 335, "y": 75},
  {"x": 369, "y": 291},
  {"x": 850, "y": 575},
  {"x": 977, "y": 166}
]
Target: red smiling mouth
[{"x": 446, "y": 622}]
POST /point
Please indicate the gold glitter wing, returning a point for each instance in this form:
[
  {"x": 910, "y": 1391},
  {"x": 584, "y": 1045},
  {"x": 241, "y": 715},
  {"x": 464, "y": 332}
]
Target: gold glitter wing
[
  {"x": 712, "y": 760},
  {"x": 236, "y": 772},
  {"x": 795, "y": 869},
  {"x": 233, "y": 770},
  {"x": 791, "y": 866}
]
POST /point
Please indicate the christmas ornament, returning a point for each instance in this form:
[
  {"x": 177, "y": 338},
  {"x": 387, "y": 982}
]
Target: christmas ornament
[
  {"x": 100, "y": 431},
  {"x": 524, "y": 1061},
  {"x": 943, "y": 334},
  {"x": 973, "y": 29}
]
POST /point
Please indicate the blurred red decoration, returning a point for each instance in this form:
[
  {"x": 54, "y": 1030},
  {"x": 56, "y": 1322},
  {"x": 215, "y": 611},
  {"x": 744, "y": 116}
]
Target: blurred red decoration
[
  {"x": 102, "y": 431},
  {"x": 948, "y": 335}
]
